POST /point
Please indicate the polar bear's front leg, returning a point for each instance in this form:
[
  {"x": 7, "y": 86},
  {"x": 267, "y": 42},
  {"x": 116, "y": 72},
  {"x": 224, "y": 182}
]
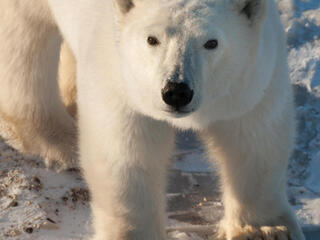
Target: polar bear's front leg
[
  {"x": 125, "y": 157},
  {"x": 252, "y": 154},
  {"x": 30, "y": 105}
]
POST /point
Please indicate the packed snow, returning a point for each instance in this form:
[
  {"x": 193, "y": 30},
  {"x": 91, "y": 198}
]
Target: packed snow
[{"x": 40, "y": 204}]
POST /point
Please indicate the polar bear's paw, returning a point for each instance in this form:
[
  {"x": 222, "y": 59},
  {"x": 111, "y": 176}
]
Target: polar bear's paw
[
  {"x": 277, "y": 232},
  {"x": 60, "y": 153},
  {"x": 252, "y": 233},
  {"x": 59, "y": 161}
]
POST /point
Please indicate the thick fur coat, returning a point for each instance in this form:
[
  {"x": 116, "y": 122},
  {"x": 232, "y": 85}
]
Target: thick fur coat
[{"x": 230, "y": 53}]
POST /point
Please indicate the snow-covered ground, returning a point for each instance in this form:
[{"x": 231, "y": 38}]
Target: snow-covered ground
[{"x": 40, "y": 204}]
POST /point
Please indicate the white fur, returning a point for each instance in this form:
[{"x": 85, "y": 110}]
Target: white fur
[
  {"x": 242, "y": 104},
  {"x": 67, "y": 79},
  {"x": 29, "y": 96}
]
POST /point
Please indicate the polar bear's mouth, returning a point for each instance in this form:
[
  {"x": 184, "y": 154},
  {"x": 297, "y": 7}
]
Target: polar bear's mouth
[{"x": 178, "y": 113}]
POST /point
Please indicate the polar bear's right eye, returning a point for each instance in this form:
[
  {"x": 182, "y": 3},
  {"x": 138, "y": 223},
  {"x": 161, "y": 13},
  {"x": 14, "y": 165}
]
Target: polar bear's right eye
[
  {"x": 153, "y": 41},
  {"x": 211, "y": 44}
]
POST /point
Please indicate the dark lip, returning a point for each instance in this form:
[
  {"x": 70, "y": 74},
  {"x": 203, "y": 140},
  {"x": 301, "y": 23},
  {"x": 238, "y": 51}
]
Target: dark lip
[{"x": 178, "y": 112}]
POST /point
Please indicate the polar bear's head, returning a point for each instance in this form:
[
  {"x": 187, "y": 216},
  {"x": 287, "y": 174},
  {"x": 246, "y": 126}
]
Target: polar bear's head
[{"x": 182, "y": 60}]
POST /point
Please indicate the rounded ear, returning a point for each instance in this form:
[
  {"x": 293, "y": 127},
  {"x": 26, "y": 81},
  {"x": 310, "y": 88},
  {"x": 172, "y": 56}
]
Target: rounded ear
[
  {"x": 123, "y": 6},
  {"x": 254, "y": 10}
]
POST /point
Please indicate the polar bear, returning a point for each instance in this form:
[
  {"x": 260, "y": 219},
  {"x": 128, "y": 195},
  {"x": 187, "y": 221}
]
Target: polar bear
[{"x": 143, "y": 68}]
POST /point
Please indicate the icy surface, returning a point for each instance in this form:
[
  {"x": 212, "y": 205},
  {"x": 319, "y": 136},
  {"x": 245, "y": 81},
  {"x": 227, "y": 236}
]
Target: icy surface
[{"x": 40, "y": 204}]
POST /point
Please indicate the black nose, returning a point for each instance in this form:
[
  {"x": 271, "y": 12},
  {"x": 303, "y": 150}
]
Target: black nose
[{"x": 177, "y": 95}]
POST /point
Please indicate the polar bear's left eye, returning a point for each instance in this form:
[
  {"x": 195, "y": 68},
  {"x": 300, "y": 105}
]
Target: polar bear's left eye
[
  {"x": 153, "y": 41},
  {"x": 211, "y": 44}
]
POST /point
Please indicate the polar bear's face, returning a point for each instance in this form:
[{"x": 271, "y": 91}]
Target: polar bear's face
[{"x": 180, "y": 57}]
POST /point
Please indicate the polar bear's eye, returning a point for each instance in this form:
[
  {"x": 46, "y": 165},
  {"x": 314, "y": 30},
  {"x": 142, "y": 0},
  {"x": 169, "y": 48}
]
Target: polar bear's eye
[
  {"x": 153, "y": 41},
  {"x": 211, "y": 44}
]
